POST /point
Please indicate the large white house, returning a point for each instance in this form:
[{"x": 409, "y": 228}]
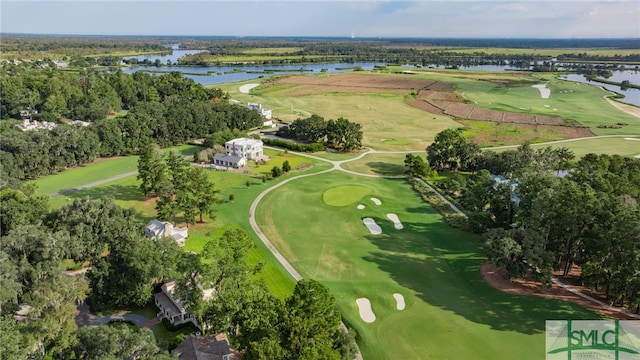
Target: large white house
[
  {"x": 156, "y": 229},
  {"x": 238, "y": 151},
  {"x": 265, "y": 112},
  {"x": 172, "y": 308}
]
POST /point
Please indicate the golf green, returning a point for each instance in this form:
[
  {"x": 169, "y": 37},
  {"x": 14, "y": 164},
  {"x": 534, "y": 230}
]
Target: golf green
[
  {"x": 450, "y": 313},
  {"x": 345, "y": 195}
]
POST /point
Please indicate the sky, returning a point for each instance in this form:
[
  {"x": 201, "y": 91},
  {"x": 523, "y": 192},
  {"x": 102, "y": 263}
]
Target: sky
[{"x": 345, "y": 18}]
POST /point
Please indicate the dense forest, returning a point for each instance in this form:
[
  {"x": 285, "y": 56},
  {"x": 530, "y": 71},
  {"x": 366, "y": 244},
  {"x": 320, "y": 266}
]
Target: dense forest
[
  {"x": 167, "y": 109},
  {"x": 546, "y": 211}
]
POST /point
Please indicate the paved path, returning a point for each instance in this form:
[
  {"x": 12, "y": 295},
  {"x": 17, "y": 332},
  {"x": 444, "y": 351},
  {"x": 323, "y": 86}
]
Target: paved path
[
  {"x": 84, "y": 317},
  {"x": 93, "y": 184}
]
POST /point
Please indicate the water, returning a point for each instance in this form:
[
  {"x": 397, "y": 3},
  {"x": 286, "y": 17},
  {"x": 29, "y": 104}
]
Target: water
[
  {"x": 631, "y": 96},
  {"x": 177, "y": 54},
  {"x": 223, "y": 74}
]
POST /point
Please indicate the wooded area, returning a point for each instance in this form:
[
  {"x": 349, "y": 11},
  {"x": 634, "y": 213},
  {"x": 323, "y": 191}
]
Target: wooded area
[{"x": 548, "y": 211}]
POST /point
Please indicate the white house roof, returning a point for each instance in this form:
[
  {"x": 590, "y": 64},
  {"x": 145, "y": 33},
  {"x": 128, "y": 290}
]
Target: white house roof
[{"x": 242, "y": 142}]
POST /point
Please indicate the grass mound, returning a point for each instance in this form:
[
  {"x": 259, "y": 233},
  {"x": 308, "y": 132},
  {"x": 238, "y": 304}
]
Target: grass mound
[{"x": 344, "y": 195}]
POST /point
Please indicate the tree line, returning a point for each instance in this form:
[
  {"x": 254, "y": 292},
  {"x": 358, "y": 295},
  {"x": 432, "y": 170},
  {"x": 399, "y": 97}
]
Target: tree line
[
  {"x": 168, "y": 109},
  {"x": 340, "y": 134},
  {"x": 548, "y": 212}
]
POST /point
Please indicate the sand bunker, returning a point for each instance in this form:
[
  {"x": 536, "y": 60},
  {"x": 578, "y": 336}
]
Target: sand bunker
[
  {"x": 374, "y": 228},
  {"x": 632, "y": 139},
  {"x": 396, "y": 221},
  {"x": 376, "y": 201},
  {"x": 360, "y": 206},
  {"x": 247, "y": 87},
  {"x": 366, "y": 313},
  {"x": 399, "y": 301},
  {"x": 544, "y": 90}
]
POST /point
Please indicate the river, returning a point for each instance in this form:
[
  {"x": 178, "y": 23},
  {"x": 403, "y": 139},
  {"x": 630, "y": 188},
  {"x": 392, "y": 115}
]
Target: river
[
  {"x": 631, "y": 96},
  {"x": 209, "y": 75}
]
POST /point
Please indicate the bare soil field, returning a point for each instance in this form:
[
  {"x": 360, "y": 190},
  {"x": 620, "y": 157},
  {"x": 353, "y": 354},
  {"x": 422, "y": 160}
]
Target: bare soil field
[
  {"x": 453, "y": 104},
  {"x": 426, "y": 106}
]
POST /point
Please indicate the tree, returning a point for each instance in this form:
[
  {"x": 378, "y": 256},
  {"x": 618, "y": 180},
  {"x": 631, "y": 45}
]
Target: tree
[
  {"x": 344, "y": 135},
  {"x": 286, "y": 167},
  {"x": 152, "y": 170},
  {"x": 311, "y": 322},
  {"x": 276, "y": 172},
  {"x": 145, "y": 261},
  {"x": 21, "y": 207},
  {"x": 204, "y": 192},
  {"x": 117, "y": 341},
  {"x": 416, "y": 166},
  {"x": 448, "y": 150}
]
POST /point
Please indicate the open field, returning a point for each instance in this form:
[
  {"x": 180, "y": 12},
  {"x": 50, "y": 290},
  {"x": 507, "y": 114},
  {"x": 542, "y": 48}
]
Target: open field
[
  {"x": 379, "y": 164},
  {"x": 549, "y": 52},
  {"x": 376, "y": 101},
  {"x": 610, "y": 146},
  {"x": 100, "y": 169},
  {"x": 433, "y": 266},
  {"x": 276, "y": 50}
]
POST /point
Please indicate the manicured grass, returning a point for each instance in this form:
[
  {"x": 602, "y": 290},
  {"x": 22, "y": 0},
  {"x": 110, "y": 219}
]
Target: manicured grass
[
  {"x": 344, "y": 195},
  {"x": 277, "y": 158},
  {"x": 580, "y": 102},
  {"x": 380, "y": 164},
  {"x": 100, "y": 169},
  {"x": 432, "y": 265},
  {"x": 609, "y": 146}
]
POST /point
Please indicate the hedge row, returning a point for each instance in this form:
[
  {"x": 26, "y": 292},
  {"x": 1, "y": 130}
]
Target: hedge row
[{"x": 315, "y": 147}]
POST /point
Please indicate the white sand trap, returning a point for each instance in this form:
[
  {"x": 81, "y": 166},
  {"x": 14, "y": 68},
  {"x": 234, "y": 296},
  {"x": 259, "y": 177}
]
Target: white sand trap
[
  {"x": 637, "y": 156},
  {"x": 399, "y": 301},
  {"x": 247, "y": 87},
  {"x": 374, "y": 228},
  {"x": 366, "y": 313},
  {"x": 376, "y": 201},
  {"x": 544, "y": 90},
  {"x": 396, "y": 221},
  {"x": 632, "y": 139},
  {"x": 547, "y": 106},
  {"x": 360, "y": 206}
]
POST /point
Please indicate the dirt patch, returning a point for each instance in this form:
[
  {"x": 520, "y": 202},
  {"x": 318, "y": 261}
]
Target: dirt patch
[
  {"x": 484, "y": 114},
  {"x": 99, "y": 160},
  {"x": 495, "y": 278},
  {"x": 439, "y": 95},
  {"x": 512, "y": 133},
  {"x": 423, "y": 105}
]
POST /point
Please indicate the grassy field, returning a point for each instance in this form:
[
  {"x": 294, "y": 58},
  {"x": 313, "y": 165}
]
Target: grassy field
[
  {"x": 379, "y": 164},
  {"x": 100, "y": 169},
  {"x": 433, "y": 266},
  {"x": 549, "y": 52},
  {"x": 610, "y": 146},
  {"x": 391, "y": 124},
  {"x": 383, "y": 116},
  {"x": 581, "y": 102}
]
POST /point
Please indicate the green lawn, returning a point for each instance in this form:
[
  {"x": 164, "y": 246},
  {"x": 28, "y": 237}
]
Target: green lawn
[
  {"x": 580, "y": 102},
  {"x": 433, "y": 266},
  {"x": 380, "y": 164},
  {"x": 100, "y": 169},
  {"x": 610, "y": 146}
]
